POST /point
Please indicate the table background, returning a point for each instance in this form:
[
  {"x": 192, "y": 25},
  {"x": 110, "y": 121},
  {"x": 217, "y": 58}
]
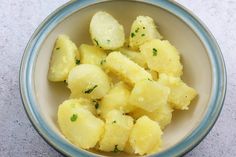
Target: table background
[{"x": 19, "y": 19}]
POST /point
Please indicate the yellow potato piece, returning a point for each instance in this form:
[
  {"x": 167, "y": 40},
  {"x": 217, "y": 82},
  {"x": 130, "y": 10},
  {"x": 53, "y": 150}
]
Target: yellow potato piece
[
  {"x": 91, "y": 55},
  {"x": 128, "y": 70},
  {"x": 62, "y": 59},
  {"x": 135, "y": 56},
  {"x": 149, "y": 95},
  {"x": 117, "y": 98},
  {"x": 143, "y": 29},
  {"x": 117, "y": 131},
  {"x": 162, "y": 115},
  {"x": 162, "y": 57},
  {"x": 88, "y": 81},
  {"x": 106, "y": 32},
  {"x": 145, "y": 136},
  {"x": 79, "y": 125},
  {"x": 181, "y": 94}
]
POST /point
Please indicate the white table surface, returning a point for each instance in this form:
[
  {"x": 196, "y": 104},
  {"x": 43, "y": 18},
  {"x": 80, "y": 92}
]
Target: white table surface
[{"x": 19, "y": 19}]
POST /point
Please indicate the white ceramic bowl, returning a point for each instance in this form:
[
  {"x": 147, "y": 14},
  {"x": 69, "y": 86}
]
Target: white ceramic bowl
[{"x": 203, "y": 69}]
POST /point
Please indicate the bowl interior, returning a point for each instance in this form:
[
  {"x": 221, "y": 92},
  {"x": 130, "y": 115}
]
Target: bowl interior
[{"x": 193, "y": 56}]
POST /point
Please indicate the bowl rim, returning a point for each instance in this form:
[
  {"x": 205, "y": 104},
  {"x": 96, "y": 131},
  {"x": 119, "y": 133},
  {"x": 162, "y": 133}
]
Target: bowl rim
[{"x": 219, "y": 80}]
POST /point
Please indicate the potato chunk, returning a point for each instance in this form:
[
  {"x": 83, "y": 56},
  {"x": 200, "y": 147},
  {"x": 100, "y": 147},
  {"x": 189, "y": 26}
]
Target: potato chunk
[
  {"x": 117, "y": 131},
  {"x": 181, "y": 94},
  {"x": 106, "y": 32},
  {"x": 145, "y": 136},
  {"x": 79, "y": 125},
  {"x": 149, "y": 95},
  {"x": 88, "y": 81},
  {"x": 129, "y": 71},
  {"x": 143, "y": 29},
  {"x": 162, "y": 57},
  {"x": 91, "y": 55},
  {"x": 162, "y": 115},
  {"x": 117, "y": 98},
  {"x": 62, "y": 59},
  {"x": 135, "y": 56}
]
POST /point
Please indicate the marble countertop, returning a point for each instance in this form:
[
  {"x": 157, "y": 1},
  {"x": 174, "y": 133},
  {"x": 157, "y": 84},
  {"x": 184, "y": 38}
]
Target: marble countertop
[{"x": 19, "y": 19}]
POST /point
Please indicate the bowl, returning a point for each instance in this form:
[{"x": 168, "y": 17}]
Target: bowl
[{"x": 204, "y": 69}]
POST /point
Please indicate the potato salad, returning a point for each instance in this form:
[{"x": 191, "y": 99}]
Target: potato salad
[{"x": 123, "y": 90}]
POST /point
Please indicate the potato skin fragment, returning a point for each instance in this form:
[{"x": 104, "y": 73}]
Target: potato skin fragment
[
  {"x": 106, "y": 32},
  {"x": 128, "y": 70}
]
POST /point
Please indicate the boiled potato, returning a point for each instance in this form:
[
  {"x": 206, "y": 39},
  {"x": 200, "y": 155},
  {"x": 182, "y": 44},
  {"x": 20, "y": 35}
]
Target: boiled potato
[
  {"x": 82, "y": 102},
  {"x": 162, "y": 57},
  {"x": 62, "y": 59},
  {"x": 154, "y": 74},
  {"x": 129, "y": 71},
  {"x": 106, "y": 32},
  {"x": 145, "y": 136},
  {"x": 143, "y": 29},
  {"x": 162, "y": 115},
  {"x": 79, "y": 125},
  {"x": 149, "y": 95},
  {"x": 128, "y": 148},
  {"x": 117, "y": 98},
  {"x": 180, "y": 93},
  {"x": 117, "y": 131},
  {"x": 135, "y": 56},
  {"x": 88, "y": 81},
  {"x": 91, "y": 55}
]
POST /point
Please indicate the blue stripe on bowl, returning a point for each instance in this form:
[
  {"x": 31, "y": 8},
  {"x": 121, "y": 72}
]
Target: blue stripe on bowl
[{"x": 214, "y": 53}]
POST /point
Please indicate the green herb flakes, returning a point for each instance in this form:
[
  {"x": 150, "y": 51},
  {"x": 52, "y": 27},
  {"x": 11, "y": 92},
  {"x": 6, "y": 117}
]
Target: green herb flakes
[
  {"x": 73, "y": 117},
  {"x": 154, "y": 52},
  {"x": 96, "y": 104},
  {"x": 136, "y": 31},
  {"x": 88, "y": 91},
  {"x": 116, "y": 149},
  {"x": 77, "y": 61},
  {"x": 103, "y": 61},
  {"x": 108, "y": 41},
  {"x": 144, "y": 28},
  {"x": 142, "y": 35},
  {"x": 58, "y": 48},
  {"x": 132, "y": 35},
  {"x": 96, "y": 42},
  {"x": 114, "y": 122}
]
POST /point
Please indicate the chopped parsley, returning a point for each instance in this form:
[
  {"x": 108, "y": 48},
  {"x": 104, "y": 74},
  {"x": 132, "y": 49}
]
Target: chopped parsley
[
  {"x": 132, "y": 35},
  {"x": 142, "y": 35},
  {"x": 58, "y": 48},
  {"x": 116, "y": 149},
  {"x": 154, "y": 52},
  {"x": 136, "y": 31},
  {"x": 103, "y": 61},
  {"x": 88, "y": 91},
  {"x": 96, "y": 104},
  {"x": 149, "y": 79},
  {"x": 73, "y": 117},
  {"x": 96, "y": 42},
  {"x": 114, "y": 122},
  {"x": 77, "y": 61},
  {"x": 108, "y": 41},
  {"x": 143, "y": 27}
]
